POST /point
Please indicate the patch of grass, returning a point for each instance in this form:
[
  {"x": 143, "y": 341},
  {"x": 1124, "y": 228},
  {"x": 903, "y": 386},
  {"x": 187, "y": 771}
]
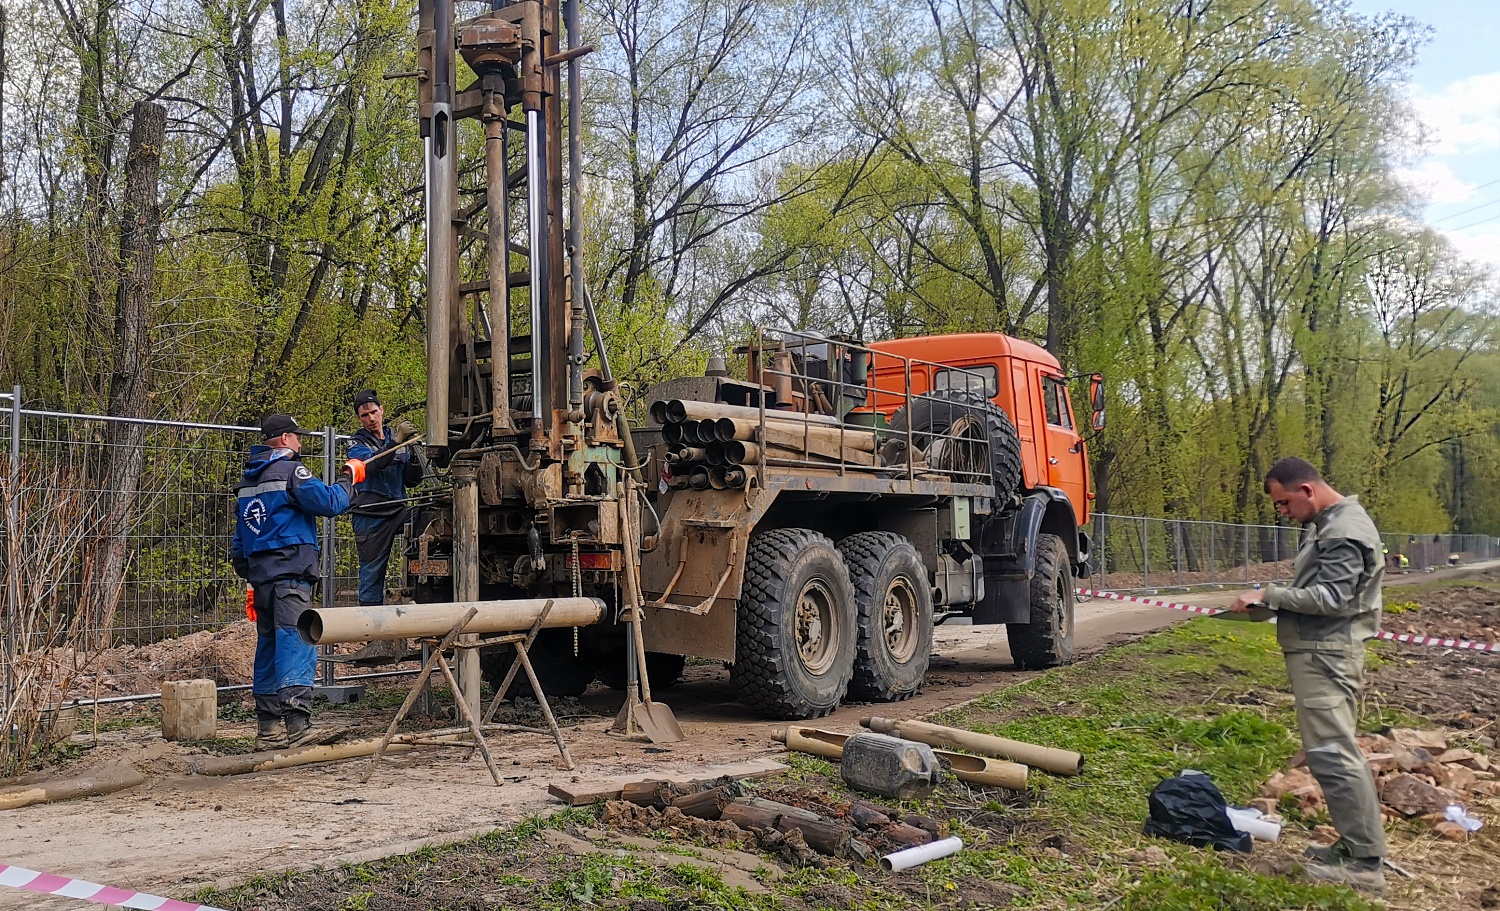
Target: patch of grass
[
  {"x": 1194, "y": 885},
  {"x": 1402, "y": 607}
]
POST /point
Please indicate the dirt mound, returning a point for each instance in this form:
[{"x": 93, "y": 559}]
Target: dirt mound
[{"x": 225, "y": 656}]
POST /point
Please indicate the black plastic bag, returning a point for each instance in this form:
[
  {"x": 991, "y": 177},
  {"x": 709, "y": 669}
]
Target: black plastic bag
[{"x": 1189, "y": 808}]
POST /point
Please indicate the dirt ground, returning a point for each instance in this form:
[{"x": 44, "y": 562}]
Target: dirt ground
[
  {"x": 180, "y": 832},
  {"x": 1458, "y": 688}
]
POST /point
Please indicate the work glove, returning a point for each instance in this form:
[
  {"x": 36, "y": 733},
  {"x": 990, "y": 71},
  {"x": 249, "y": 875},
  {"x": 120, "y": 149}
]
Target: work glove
[
  {"x": 405, "y": 431},
  {"x": 356, "y": 470}
]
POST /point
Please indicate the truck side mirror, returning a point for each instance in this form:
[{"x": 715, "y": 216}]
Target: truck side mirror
[{"x": 1096, "y": 399}]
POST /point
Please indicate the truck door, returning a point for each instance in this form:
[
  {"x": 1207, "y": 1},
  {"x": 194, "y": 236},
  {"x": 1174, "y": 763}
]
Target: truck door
[{"x": 1066, "y": 468}]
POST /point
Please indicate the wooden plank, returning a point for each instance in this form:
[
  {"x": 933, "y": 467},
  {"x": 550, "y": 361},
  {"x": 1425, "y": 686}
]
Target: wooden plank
[{"x": 582, "y": 793}]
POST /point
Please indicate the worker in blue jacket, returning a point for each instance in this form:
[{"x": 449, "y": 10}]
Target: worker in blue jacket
[
  {"x": 276, "y": 550},
  {"x": 379, "y": 511}
]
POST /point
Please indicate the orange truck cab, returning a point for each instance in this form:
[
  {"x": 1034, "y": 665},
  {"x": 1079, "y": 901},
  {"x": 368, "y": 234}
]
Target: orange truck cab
[{"x": 1025, "y": 382}]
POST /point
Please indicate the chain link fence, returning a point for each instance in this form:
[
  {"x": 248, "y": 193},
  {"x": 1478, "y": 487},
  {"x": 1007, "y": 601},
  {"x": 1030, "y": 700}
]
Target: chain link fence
[
  {"x": 107, "y": 596},
  {"x": 169, "y": 606},
  {"x": 1133, "y": 553}
]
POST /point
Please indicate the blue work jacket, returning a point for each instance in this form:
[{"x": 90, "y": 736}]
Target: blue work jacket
[{"x": 276, "y": 505}]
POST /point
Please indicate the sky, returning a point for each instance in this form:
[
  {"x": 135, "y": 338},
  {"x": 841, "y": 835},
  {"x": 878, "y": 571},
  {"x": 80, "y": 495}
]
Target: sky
[{"x": 1455, "y": 89}]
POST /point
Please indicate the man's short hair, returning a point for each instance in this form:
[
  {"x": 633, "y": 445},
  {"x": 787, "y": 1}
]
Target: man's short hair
[{"x": 1292, "y": 471}]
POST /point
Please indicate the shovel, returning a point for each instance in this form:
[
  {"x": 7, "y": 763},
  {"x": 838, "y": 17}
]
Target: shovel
[{"x": 639, "y": 715}]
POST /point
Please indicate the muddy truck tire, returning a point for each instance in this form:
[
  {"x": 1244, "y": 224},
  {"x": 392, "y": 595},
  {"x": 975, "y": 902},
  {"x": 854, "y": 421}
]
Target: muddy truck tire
[
  {"x": 894, "y": 603},
  {"x": 970, "y": 417},
  {"x": 1047, "y": 641},
  {"x": 665, "y": 670},
  {"x": 560, "y": 672},
  {"x": 796, "y": 626}
]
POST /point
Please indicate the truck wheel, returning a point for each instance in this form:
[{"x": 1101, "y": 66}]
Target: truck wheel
[
  {"x": 1047, "y": 640},
  {"x": 560, "y": 672},
  {"x": 970, "y": 417},
  {"x": 894, "y": 603},
  {"x": 794, "y": 642},
  {"x": 665, "y": 670}
]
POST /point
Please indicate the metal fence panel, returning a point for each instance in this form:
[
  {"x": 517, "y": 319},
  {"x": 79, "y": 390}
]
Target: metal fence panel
[{"x": 178, "y": 581}]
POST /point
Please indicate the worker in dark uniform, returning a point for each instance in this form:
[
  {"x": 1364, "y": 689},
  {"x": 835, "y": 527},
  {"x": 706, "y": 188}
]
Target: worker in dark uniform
[
  {"x": 276, "y": 550},
  {"x": 1324, "y": 617},
  {"x": 379, "y": 511}
]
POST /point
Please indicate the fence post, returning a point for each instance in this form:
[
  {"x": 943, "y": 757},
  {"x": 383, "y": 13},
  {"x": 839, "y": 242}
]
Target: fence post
[
  {"x": 13, "y": 510},
  {"x": 1246, "y": 530},
  {"x": 329, "y": 564},
  {"x": 1213, "y": 567},
  {"x": 1145, "y": 552}
]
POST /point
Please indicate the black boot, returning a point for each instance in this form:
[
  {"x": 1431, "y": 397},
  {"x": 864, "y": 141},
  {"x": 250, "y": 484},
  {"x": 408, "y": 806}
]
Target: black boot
[
  {"x": 299, "y": 728},
  {"x": 270, "y": 732}
]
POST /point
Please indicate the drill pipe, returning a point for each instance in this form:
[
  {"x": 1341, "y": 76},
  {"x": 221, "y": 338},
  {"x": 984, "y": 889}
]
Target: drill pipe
[{"x": 321, "y": 626}]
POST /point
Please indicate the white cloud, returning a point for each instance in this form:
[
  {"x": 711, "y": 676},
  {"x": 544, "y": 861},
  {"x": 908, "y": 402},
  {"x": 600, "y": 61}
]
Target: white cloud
[
  {"x": 1481, "y": 245},
  {"x": 1436, "y": 182},
  {"x": 1464, "y": 116}
]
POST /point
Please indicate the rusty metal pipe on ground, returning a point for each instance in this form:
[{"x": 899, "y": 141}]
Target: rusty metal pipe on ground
[{"x": 322, "y": 626}]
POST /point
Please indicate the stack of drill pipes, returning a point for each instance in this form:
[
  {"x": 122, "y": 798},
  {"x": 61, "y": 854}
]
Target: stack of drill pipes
[
  {"x": 972, "y": 769},
  {"x": 1049, "y": 759}
]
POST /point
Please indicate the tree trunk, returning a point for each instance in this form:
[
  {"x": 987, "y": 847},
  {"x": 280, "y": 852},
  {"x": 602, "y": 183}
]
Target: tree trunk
[{"x": 125, "y": 458}]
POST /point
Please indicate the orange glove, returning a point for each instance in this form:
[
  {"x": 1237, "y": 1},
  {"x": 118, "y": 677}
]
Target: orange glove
[
  {"x": 250, "y": 603},
  {"x": 356, "y": 469}
]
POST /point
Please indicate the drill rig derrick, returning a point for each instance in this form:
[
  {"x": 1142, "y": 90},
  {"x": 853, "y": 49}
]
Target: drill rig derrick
[{"x": 536, "y": 449}]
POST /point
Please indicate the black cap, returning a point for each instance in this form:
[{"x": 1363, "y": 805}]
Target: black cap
[
  {"x": 274, "y": 425},
  {"x": 367, "y": 397}
]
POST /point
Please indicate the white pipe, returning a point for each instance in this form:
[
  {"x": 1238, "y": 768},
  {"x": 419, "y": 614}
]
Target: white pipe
[
  {"x": 320, "y": 626},
  {"x": 1254, "y": 824},
  {"x": 921, "y": 854}
]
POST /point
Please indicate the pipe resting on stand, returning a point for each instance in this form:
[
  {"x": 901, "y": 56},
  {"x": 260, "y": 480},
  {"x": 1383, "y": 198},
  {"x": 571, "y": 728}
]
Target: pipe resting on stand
[{"x": 319, "y": 626}]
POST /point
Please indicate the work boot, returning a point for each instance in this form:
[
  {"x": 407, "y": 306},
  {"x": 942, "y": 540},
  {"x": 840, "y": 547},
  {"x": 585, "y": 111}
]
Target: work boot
[
  {"x": 301, "y": 733},
  {"x": 1336, "y": 853},
  {"x": 270, "y": 732},
  {"x": 299, "y": 728},
  {"x": 1359, "y": 872}
]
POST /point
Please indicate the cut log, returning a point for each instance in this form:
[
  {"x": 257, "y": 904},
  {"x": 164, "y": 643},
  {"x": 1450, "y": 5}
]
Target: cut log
[
  {"x": 707, "y": 804},
  {"x": 748, "y": 817},
  {"x": 911, "y": 836},
  {"x": 784, "y": 809},
  {"x": 925, "y": 823},
  {"x": 658, "y": 794},
  {"x": 822, "y": 835},
  {"x": 866, "y": 816}
]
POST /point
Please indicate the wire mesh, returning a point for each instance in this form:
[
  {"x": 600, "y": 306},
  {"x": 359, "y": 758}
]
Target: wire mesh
[{"x": 178, "y": 609}]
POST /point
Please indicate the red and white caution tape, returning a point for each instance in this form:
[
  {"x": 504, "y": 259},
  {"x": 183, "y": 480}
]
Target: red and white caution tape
[
  {"x": 1408, "y": 638},
  {"x": 1415, "y": 639},
  {"x": 1116, "y": 596},
  {"x": 52, "y": 884}
]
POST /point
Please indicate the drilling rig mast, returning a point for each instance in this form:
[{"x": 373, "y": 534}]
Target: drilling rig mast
[{"x": 537, "y": 448}]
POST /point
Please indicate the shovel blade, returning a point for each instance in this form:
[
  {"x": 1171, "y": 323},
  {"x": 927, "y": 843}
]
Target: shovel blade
[{"x": 658, "y": 723}]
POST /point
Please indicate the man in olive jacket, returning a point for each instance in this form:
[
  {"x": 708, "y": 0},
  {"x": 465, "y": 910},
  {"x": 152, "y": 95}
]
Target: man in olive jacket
[{"x": 1323, "y": 619}]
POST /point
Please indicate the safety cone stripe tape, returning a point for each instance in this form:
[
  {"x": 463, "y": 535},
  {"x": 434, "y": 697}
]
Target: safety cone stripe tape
[
  {"x": 52, "y": 884},
  {"x": 1408, "y": 638}
]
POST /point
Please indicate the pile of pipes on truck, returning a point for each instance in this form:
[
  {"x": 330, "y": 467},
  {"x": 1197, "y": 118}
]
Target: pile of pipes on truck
[{"x": 709, "y": 444}]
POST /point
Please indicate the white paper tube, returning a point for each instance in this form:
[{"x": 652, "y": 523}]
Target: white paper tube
[
  {"x": 1251, "y": 823},
  {"x": 921, "y": 854}
]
